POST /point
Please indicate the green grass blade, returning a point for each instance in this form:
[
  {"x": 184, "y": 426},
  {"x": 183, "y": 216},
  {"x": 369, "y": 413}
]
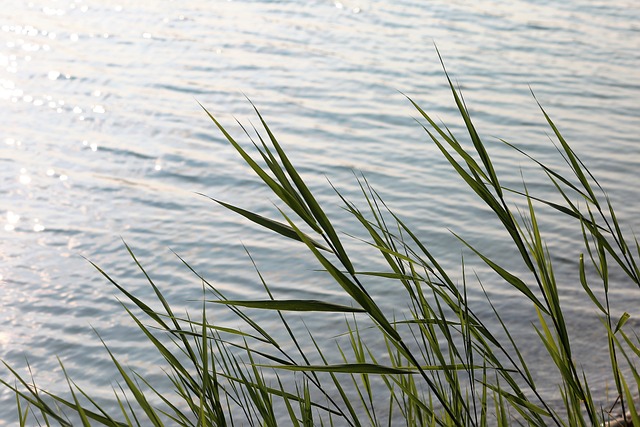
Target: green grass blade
[
  {"x": 513, "y": 280},
  {"x": 308, "y": 197},
  {"x": 135, "y": 390},
  {"x": 573, "y": 159},
  {"x": 293, "y": 305},
  {"x": 475, "y": 138},
  {"x": 346, "y": 368},
  {"x": 278, "y": 227},
  {"x": 361, "y": 297},
  {"x": 280, "y": 191}
]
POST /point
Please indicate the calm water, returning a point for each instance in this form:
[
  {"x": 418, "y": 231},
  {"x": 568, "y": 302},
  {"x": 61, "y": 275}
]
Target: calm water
[{"x": 101, "y": 138}]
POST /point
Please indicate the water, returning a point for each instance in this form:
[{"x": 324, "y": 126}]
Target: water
[{"x": 101, "y": 138}]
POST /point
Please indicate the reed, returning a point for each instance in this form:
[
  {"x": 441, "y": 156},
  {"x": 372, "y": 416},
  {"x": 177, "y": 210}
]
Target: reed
[{"x": 445, "y": 364}]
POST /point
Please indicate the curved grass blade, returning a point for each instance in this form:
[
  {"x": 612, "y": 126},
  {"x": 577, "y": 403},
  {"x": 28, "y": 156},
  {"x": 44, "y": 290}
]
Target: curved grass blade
[
  {"x": 138, "y": 394},
  {"x": 278, "y": 227},
  {"x": 33, "y": 398},
  {"x": 358, "y": 294},
  {"x": 292, "y": 305},
  {"x": 306, "y": 194},
  {"x": 513, "y": 280},
  {"x": 475, "y": 138},
  {"x": 346, "y": 368},
  {"x": 278, "y": 189}
]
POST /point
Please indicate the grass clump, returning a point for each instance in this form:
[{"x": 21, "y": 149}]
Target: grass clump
[{"x": 444, "y": 363}]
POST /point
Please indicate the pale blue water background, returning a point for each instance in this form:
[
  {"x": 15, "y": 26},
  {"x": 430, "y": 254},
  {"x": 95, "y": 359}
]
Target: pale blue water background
[{"x": 101, "y": 137}]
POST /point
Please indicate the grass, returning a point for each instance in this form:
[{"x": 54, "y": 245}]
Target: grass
[{"x": 442, "y": 363}]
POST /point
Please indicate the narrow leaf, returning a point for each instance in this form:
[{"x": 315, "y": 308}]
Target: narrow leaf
[{"x": 293, "y": 305}]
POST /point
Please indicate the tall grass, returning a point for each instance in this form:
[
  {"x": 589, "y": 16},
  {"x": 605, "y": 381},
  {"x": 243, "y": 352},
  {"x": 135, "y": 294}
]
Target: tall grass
[{"x": 444, "y": 363}]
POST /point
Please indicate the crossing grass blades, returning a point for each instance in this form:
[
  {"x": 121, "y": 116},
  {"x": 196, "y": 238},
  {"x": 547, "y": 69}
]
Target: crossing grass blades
[{"x": 445, "y": 364}]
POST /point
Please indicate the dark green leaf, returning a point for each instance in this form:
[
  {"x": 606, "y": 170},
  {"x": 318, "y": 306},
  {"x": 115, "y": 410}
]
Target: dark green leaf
[{"x": 293, "y": 305}]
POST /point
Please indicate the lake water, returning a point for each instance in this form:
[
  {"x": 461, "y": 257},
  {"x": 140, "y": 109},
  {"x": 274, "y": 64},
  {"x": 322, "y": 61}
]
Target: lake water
[{"x": 102, "y": 138}]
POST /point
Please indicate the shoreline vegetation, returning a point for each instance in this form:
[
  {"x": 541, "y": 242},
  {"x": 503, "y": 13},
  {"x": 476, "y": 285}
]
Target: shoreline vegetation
[{"x": 444, "y": 365}]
